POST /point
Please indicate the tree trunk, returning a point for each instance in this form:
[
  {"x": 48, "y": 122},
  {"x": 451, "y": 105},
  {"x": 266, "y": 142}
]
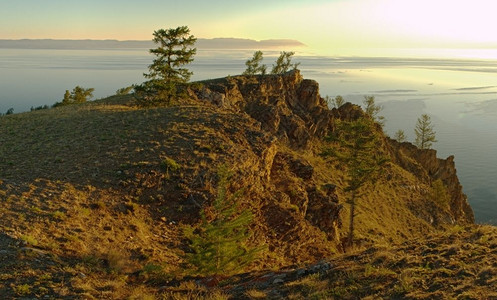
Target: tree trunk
[{"x": 350, "y": 238}]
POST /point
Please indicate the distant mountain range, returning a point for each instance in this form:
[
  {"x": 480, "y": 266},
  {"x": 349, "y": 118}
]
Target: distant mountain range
[{"x": 216, "y": 43}]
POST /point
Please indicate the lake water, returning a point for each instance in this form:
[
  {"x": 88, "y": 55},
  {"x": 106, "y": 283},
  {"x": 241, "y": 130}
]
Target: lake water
[{"x": 459, "y": 92}]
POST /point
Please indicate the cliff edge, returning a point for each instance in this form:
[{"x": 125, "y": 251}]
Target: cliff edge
[{"x": 290, "y": 108}]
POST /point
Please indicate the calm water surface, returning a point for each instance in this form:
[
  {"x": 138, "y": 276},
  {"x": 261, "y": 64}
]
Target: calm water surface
[{"x": 459, "y": 93}]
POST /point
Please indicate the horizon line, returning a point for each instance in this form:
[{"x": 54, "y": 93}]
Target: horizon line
[{"x": 214, "y": 43}]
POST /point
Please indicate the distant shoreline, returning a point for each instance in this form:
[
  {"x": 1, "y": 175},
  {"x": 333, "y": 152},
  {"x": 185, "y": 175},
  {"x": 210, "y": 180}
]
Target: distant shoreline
[{"x": 216, "y": 43}]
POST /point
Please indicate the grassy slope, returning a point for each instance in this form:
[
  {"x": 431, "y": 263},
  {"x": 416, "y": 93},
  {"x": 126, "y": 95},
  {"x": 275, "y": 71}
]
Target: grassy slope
[
  {"x": 87, "y": 201},
  {"x": 91, "y": 187},
  {"x": 457, "y": 264},
  {"x": 61, "y": 169},
  {"x": 76, "y": 185}
]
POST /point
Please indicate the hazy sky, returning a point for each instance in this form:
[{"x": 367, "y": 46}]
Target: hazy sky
[{"x": 320, "y": 24}]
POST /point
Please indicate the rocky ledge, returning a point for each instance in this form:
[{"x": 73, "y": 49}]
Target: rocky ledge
[{"x": 290, "y": 108}]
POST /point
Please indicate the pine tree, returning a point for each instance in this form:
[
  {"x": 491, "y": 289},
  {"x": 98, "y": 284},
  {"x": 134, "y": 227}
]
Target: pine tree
[
  {"x": 166, "y": 72},
  {"x": 372, "y": 110},
  {"x": 356, "y": 145},
  {"x": 254, "y": 65},
  {"x": 81, "y": 95},
  {"x": 335, "y": 102},
  {"x": 425, "y": 135},
  {"x": 172, "y": 53},
  {"x": 67, "y": 98},
  {"x": 284, "y": 63},
  {"x": 400, "y": 136},
  {"x": 439, "y": 193},
  {"x": 219, "y": 245}
]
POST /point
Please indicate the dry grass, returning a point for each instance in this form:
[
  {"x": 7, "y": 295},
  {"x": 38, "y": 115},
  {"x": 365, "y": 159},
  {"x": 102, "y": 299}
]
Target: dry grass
[
  {"x": 93, "y": 198},
  {"x": 103, "y": 188},
  {"x": 69, "y": 191},
  {"x": 426, "y": 269},
  {"x": 433, "y": 268}
]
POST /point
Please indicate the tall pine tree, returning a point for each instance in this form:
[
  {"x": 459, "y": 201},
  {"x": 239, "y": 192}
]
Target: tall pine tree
[
  {"x": 400, "y": 136},
  {"x": 356, "y": 144},
  {"x": 167, "y": 70},
  {"x": 425, "y": 134},
  {"x": 372, "y": 110},
  {"x": 171, "y": 54}
]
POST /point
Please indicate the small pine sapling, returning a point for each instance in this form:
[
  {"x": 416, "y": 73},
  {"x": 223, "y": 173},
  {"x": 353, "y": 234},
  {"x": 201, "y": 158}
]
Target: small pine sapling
[{"x": 219, "y": 244}]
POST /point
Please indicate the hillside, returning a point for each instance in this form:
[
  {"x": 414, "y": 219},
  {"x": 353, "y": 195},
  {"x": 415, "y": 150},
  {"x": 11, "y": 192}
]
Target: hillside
[
  {"x": 456, "y": 264},
  {"x": 94, "y": 197}
]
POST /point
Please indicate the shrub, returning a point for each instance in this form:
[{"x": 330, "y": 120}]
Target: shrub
[
  {"x": 78, "y": 95},
  {"x": 170, "y": 164},
  {"x": 439, "y": 193}
]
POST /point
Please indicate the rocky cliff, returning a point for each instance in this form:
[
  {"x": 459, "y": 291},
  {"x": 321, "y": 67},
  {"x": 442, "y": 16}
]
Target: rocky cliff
[
  {"x": 425, "y": 164},
  {"x": 291, "y": 109},
  {"x": 287, "y": 106}
]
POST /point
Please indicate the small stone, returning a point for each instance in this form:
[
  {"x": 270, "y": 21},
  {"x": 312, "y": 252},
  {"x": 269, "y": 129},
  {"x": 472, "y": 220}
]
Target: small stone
[
  {"x": 329, "y": 188},
  {"x": 33, "y": 250},
  {"x": 270, "y": 274},
  {"x": 238, "y": 290},
  {"x": 274, "y": 294},
  {"x": 280, "y": 276},
  {"x": 122, "y": 208},
  {"x": 325, "y": 266},
  {"x": 301, "y": 272},
  {"x": 81, "y": 275},
  {"x": 163, "y": 288}
]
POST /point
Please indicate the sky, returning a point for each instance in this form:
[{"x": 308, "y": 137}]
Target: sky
[{"x": 323, "y": 25}]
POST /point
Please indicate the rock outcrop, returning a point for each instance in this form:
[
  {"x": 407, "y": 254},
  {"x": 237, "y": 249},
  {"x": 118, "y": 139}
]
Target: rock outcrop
[
  {"x": 286, "y": 105},
  {"x": 425, "y": 164},
  {"x": 291, "y": 109}
]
